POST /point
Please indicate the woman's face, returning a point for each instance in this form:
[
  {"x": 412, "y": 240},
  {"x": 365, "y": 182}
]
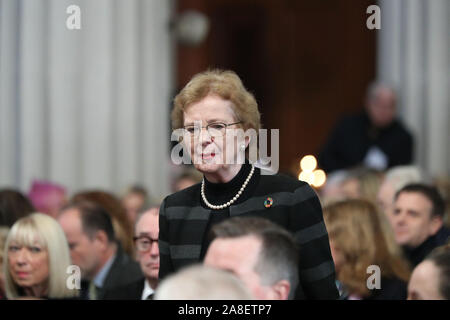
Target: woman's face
[
  {"x": 211, "y": 153},
  {"x": 28, "y": 265}
]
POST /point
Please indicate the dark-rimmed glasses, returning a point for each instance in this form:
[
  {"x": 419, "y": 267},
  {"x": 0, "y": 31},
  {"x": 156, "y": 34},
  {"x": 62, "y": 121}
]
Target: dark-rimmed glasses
[{"x": 144, "y": 243}]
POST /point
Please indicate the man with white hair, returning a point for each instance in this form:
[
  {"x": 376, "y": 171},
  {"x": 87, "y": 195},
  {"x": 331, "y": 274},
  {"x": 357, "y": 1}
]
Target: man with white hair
[{"x": 199, "y": 282}]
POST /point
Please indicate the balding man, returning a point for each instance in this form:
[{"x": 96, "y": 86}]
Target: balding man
[
  {"x": 147, "y": 253},
  {"x": 103, "y": 264},
  {"x": 374, "y": 138}
]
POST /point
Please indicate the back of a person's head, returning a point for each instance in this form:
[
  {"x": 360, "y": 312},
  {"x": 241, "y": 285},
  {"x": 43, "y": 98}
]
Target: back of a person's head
[
  {"x": 368, "y": 182},
  {"x": 278, "y": 258},
  {"x": 200, "y": 282},
  {"x": 93, "y": 218},
  {"x": 401, "y": 176},
  {"x": 46, "y": 231},
  {"x": 137, "y": 190},
  {"x": 331, "y": 191},
  {"x": 443, "y": 184},
  {"x": 428, "y": 191},
  {"x": 13, "y": 206},
  {"x": 186, "y": 179},
  {"x": 440, "y": 257},
  {"x": 47, "y": 197},
  {"x": 363, "y": 237},
  {"x": 123, "y": 228},
  {"x": 3, "y": 235}
]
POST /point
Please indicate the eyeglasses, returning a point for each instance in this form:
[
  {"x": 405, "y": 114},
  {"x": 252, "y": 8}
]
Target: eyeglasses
[
  {"x": 144, "y": 243},
  {"x": 216, "y": 129}
]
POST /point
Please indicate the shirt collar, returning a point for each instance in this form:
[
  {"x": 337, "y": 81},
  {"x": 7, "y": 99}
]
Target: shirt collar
[
  {"x": 100, "y": 277},
  {"x": 147, "y": 290}
]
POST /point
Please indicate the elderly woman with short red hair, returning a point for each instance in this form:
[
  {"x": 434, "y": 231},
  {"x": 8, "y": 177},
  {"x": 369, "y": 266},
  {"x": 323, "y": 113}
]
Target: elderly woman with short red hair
[{"x": 210, "y": 111}]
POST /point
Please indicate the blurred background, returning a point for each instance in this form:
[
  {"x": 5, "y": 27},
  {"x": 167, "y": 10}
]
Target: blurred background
[{"x": 90, "y": 108}]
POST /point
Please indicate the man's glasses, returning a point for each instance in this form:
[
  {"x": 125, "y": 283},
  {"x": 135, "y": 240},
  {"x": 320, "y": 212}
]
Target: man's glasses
[
  {"x": 144, "y": 243},
  {"x": 216, "y": 129}
]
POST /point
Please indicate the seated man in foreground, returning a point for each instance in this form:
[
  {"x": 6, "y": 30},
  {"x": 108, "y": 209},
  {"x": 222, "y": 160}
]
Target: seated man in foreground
[{"x": 263, "y": 255}]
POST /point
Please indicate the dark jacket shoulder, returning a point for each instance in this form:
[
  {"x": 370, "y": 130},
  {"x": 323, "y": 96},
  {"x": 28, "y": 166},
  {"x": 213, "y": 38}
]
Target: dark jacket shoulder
[
  {"x": 124, "y": 270},
  {"x": 131, "y": 291},
  {"x": 391, "y": 289}
]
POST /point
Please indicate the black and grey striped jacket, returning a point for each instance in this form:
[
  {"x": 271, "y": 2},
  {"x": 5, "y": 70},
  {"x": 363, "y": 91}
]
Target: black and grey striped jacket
[{"x": 296, "y": 207}]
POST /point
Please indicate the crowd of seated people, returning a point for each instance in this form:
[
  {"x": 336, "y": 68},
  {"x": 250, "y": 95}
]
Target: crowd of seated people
[
  {"x": 387, "y": 228},
  {"x": 412, "y": 210}
]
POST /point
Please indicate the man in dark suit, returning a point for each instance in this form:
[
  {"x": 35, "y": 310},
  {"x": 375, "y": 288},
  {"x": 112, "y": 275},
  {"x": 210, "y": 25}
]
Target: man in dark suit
[
  {"x": 417, "y": 221},
  {"x": 374, "y": 138},
  {"x": 261, "y": 253},
  {"x": 103, "y": 264},
  {"x": 147, "y": 253}
]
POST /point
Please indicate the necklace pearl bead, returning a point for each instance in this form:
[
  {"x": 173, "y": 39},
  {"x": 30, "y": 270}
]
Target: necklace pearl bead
[{"x": 229, "y": 203}]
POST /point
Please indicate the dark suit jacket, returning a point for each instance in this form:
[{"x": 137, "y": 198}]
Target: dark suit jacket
[
  {"x": 131, "y": 291},
  {"x": 418, "y": 254},
  {"x": 124, "y": 271},
  {"x": 353, "y": 136}
]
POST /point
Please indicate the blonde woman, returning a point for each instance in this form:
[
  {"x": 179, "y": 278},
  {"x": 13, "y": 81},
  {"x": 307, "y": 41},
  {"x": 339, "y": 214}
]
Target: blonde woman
[
  {"x": 37, "y": 260},
  {"x": 359, "y": 238}
]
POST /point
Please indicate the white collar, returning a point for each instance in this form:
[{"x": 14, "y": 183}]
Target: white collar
[{"x": 147, "y": 290}]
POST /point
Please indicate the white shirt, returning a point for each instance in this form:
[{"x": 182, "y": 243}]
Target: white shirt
[{"x": 147, "y": 290}]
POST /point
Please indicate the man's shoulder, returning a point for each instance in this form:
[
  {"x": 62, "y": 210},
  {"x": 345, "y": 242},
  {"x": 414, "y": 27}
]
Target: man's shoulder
[
  {"x": 129, "y": 291},
  {"x": 401, "y": 130},
  {"x": 124, "y": 270},
  {"x": 348, "y": 119}
]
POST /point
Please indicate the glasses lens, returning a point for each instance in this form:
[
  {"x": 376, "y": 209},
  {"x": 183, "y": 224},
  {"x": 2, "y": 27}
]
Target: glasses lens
[
  {"x": 143, "y": 244},
  {"x": 189, "y": 130},
  {"x": 216, "y": 129}
]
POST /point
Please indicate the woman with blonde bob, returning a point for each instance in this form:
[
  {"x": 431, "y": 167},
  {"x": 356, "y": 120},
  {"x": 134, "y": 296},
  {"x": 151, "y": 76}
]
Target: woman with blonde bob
[
  {"x": 359, "y": 238},
  {"x": 37, "y": 259}
]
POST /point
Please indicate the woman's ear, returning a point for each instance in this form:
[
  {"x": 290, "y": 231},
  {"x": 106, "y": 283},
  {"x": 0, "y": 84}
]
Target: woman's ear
[{"x": 247, "y": 141}]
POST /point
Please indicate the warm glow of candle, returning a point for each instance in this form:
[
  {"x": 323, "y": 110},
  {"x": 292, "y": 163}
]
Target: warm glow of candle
[
  {"x": 319, "y": 178},
  {"x": 308, "y": 163}
]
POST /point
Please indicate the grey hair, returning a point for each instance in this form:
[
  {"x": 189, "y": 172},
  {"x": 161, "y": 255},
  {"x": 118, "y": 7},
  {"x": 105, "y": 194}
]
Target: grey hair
[
  {"x": 199, "y": 282},
  {"x": 374, "y": 87},
  {"x": 401, "y": 176}
]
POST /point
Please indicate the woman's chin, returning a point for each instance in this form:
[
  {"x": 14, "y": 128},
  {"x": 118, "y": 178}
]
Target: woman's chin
[{"x": 208, "y": 167}]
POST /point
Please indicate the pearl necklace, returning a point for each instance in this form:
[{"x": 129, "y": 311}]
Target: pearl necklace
[{"x": 229, "y": 203}]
